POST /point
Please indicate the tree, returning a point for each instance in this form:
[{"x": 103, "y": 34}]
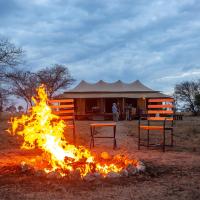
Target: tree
[
  {"x": 186, "y": 93},
  {"x": 23, "y": 85},
  {"x": 11, "y": 109},
  {"x": 10, "y": 56},
  {"x": 55, "y": 78},
  {"x": 197, "y": 101},
  {"x": 3, "y": 98},
  {"x": 176, "y": 103}
]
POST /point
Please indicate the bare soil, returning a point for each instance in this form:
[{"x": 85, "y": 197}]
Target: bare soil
[{"x": 174, "y": 174}]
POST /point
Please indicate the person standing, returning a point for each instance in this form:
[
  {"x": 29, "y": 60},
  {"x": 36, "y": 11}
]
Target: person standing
[
  {"x": 119, "y": 111},
  {"x": 115, "y": 112},
  {"x": 130, "y": 111},
  {"x": 127, "y": 111}
]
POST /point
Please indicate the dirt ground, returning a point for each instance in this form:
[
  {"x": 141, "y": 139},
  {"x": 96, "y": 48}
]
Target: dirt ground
[{"x": 174, "y": 174}]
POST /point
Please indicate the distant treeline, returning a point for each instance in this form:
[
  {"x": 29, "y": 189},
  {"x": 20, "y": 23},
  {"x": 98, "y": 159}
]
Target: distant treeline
[{"x": 187, "y": 96}]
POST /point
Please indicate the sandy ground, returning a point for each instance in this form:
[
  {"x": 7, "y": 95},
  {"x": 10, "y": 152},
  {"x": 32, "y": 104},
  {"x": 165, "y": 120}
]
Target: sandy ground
[{"x": 174, "y": 174}]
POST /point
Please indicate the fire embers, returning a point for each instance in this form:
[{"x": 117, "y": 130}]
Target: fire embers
[{"x": 98, "y": 171}]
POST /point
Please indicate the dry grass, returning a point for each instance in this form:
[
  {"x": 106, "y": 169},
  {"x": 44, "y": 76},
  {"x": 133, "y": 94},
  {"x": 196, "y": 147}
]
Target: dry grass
[{"x": 174, "y": 174}]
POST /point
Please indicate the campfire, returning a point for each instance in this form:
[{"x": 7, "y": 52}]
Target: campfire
[{"x": 41, "y": 129}]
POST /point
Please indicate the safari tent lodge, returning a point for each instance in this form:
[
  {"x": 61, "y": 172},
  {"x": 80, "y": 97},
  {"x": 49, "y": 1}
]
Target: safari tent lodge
[{"x": 93, "y": 101}]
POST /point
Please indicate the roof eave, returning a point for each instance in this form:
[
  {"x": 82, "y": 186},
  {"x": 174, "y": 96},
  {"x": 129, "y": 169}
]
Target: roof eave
[{"x": 86, "y": 92}]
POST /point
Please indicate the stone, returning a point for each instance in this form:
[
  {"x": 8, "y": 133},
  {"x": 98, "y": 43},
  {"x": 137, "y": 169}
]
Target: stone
[
  {"x": 75, "y": 175},
  {"x": 89, "y": 177},
  {"x": 140, "y": 167},
  {"x": 40, "y": 173},
  {"x": 54, "y": 175},
  {"x": 124, "y": 173},
  {"x": 105, "y": 155},
  {"x": 92, "y": 177},
  {"x": 25, "y": 167},
  {"x": 132, "y": 170},
  {"x": 113, "y": 175},
  {"x": 97, "y": 175}
]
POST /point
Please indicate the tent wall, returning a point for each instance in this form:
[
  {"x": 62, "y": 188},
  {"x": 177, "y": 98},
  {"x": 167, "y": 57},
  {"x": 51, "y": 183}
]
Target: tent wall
[
  {"x": 141, "y": 104},
  {"x": 105, "y": 106},
  {"x": 80, "y": 106}
]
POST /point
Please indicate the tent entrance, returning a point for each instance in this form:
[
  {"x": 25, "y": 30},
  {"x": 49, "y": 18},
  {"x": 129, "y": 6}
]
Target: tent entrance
[
  {"x": 132, "y": 102},
  {"x": 108, "y": 104}
]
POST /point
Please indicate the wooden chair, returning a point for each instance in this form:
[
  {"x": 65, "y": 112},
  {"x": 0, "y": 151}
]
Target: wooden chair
[
  {"x": 159, "y": 118},
  {"x": 64, "y": 108}
]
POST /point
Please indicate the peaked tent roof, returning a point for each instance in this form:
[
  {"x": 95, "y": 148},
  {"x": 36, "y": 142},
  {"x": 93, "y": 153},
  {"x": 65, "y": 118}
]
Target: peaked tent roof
[
  {"x": 118, "y": 89},
  {"x": 117, "y": 86}
]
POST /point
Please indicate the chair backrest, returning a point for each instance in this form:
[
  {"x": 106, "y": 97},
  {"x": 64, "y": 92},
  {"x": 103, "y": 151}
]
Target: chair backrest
[
  {"x": 160, "y": 109},
  {"x": 64, "y": 108}
]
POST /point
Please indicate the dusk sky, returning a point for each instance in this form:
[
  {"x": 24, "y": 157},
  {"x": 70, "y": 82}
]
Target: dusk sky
[{"x": 154, "y": 41}]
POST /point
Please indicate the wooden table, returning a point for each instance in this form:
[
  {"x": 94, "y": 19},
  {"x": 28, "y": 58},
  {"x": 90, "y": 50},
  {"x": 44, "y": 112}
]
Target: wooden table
[{"x": 93, "y": 127}]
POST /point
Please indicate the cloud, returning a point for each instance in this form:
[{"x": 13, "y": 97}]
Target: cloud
[
  {"x": 189, "y": 74},
  {"x": 155, "y": 41}
]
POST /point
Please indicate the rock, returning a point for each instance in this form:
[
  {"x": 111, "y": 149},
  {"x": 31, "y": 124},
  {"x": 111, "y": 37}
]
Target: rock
[
  {"x": 92, "y": 177},
  {"x": 113, "y": 175},
  {"x": 26, "y": 168},
  {"x": 140, "y": 167},
  {"x": 105, "y": 155},
  {"x": 54, "y": 175},
  {"x": 40, "y": 173},
  {"x": 89, "y": 177},
  {"x": 132, "y": 170},
  {"x": 124, "y": 173},
  {"x": 97, "y": 175},
  {"x": 75, "y": 175}
]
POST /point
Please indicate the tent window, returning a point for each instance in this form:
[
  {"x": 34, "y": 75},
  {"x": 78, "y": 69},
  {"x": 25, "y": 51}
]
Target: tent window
[{"x": 91, "y": 105}]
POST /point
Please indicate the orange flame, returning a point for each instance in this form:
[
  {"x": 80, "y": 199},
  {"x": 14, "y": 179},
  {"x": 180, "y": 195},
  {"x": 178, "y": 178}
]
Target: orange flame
[{"x": 42, "y": 129}]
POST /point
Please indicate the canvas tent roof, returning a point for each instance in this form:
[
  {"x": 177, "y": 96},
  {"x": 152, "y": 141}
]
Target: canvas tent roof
[
  {"x": 117, "y": 86},
  {"x": 117, "y": 89}
]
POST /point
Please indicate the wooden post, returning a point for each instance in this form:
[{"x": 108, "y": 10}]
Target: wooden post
[{"x": 102, "y": 105}]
